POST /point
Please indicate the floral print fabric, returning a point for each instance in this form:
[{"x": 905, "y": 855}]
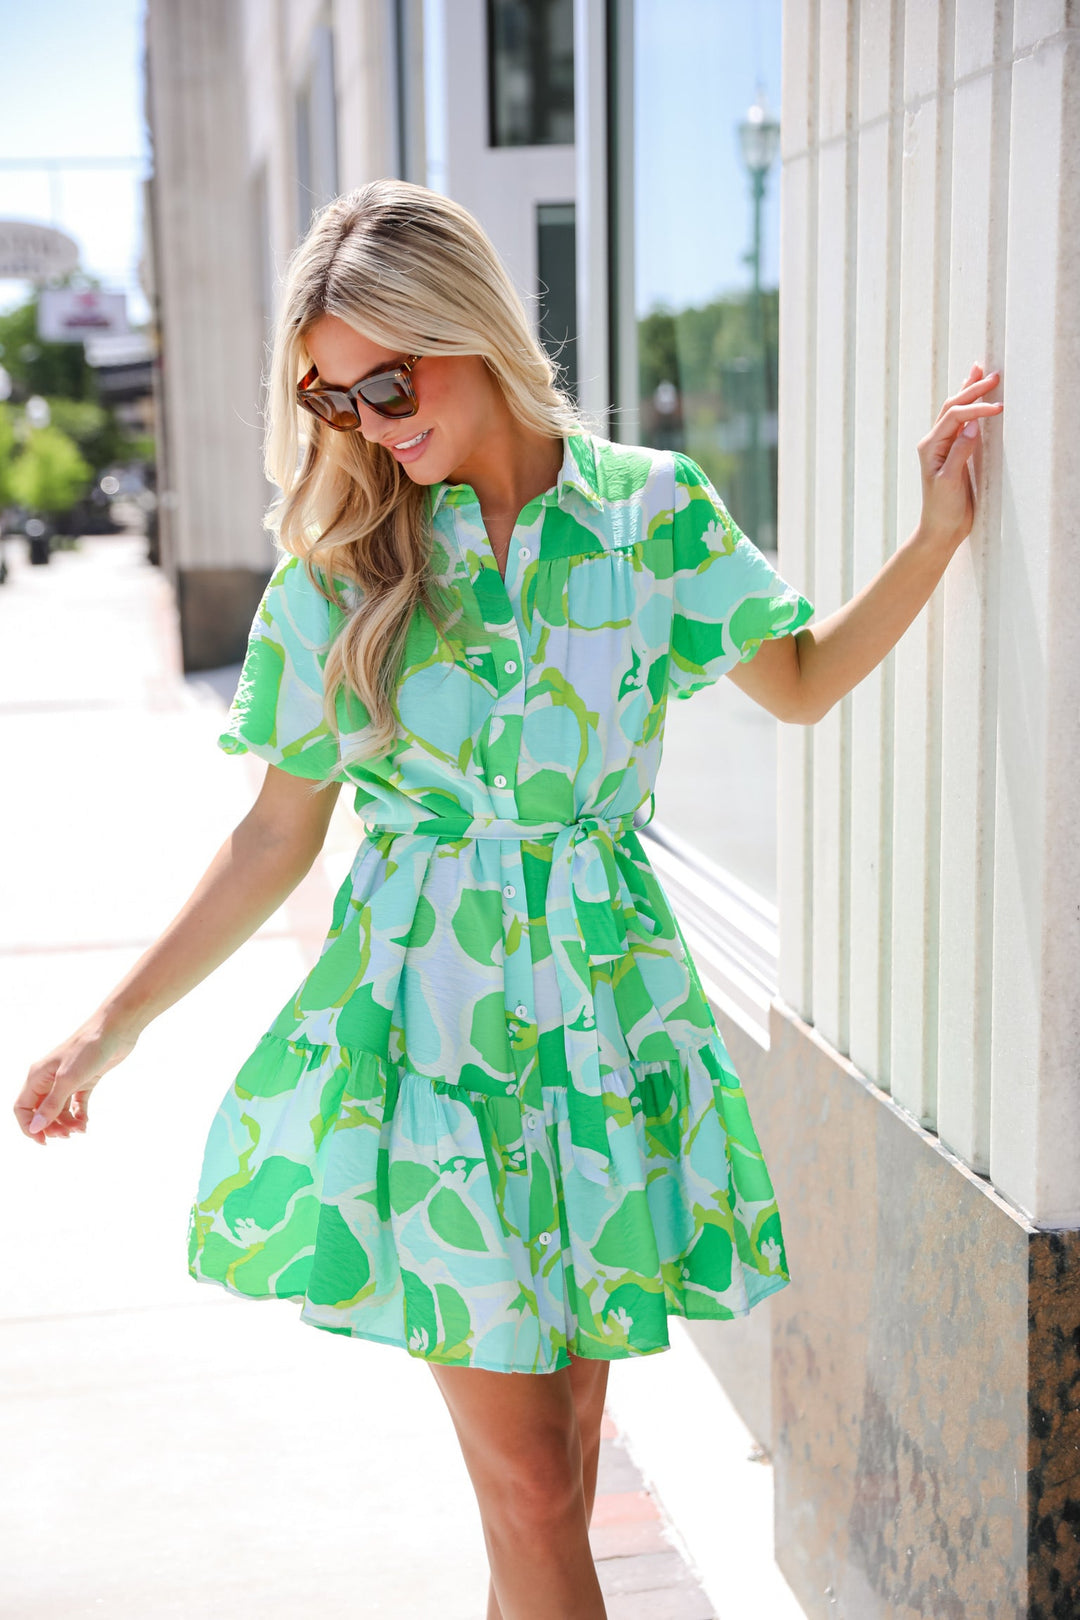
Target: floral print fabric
[{"x": 496, "y": 1123}]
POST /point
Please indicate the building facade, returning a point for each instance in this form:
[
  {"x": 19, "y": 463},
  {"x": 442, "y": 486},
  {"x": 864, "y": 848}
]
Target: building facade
[{"x": 887, "y": 911}]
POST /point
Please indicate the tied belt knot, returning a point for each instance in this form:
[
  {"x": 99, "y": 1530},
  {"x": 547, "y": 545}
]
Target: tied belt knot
[{"x": 590, "y": 897}]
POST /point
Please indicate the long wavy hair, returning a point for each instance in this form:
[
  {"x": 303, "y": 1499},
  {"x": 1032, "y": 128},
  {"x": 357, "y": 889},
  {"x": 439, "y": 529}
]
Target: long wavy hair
[{"x": 414, "y": 271}]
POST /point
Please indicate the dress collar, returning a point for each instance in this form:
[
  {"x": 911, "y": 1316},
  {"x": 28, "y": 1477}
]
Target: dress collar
[{"x": 578, "y": 472}]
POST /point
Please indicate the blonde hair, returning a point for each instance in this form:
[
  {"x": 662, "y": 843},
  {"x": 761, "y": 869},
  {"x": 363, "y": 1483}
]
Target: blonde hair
[{"x": 414, "y": 271}]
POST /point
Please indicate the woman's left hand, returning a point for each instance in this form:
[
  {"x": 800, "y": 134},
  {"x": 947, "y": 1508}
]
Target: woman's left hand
[{"x": 948, "y": 501}]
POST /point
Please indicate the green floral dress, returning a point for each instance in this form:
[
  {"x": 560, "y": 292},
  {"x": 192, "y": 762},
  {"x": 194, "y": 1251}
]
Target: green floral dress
[{"x": 496, "y": 1123}]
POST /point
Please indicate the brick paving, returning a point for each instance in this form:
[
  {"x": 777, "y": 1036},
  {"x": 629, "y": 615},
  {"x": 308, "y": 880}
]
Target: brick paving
[{"x": 643, "y": 1574}]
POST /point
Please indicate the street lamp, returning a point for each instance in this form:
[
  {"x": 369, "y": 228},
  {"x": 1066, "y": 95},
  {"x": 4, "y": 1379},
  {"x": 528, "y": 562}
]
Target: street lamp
[{"x": 759, "y": 139}]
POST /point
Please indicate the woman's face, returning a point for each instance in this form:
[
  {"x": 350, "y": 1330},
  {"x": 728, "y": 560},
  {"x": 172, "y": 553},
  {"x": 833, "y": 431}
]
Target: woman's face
[{"x": 459, "y": 400}]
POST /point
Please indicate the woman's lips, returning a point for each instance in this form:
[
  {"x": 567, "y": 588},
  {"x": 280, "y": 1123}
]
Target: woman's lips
[{"x": 414, "y": 450}]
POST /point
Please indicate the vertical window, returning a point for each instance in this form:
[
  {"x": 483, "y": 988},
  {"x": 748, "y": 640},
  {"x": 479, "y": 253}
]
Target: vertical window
[
  {"x": 556, "y": 259},
  {"x": 408, "y": 44},
  {"x": 264, "y": 269},
  {"x": 436, "y": 97},
  {"x": 304, "y": 191},
  {"x": 530, "y": 47},
  {"x": 316, "y": 129},
  {"x": 705, "y": 191}
]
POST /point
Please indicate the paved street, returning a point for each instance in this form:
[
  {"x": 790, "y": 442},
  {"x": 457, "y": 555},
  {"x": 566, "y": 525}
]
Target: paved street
[{"x": 171, "y": 1450}]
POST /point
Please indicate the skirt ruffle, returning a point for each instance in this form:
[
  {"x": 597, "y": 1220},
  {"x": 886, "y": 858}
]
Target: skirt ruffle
[{"x": 465, "y": 1227}]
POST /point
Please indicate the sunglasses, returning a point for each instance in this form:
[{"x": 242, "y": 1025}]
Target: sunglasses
[{"x": 389, "y": 393}]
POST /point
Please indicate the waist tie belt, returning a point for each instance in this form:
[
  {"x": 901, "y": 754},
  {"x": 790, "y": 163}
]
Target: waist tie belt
[{"x": 589, "y": 907}]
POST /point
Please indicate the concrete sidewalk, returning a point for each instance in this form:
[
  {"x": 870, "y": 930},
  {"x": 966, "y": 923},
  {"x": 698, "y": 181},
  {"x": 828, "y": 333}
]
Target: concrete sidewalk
[{"x": 171, "y": 1450}]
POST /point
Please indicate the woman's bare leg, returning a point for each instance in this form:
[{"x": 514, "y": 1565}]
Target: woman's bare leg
[{"x": 531, "y": 1443}]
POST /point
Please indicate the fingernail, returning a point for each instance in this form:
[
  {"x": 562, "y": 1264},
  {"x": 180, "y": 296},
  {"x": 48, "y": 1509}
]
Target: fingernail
[
  {"x": 37, "y": 1122},
  {"x": 970, "y": 429}
]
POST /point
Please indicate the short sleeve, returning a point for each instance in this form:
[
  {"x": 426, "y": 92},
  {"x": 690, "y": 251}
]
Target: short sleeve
[
  {"x": 277, "y": 710},
  {"x": 727, "y": 597}
]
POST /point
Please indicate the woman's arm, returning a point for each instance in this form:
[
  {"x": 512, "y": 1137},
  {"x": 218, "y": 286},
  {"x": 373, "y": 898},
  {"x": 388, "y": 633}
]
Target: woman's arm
[
  {"x": 800, "y": 677},
  {"x": 257, "y": 867}
]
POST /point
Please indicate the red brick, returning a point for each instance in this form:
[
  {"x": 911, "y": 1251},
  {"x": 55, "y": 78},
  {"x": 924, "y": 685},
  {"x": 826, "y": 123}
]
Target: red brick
[
  {"x": 624, "y": 1540},
  {"x": 659, "y": 1606},
  {"x": 624, "y": 1507}
]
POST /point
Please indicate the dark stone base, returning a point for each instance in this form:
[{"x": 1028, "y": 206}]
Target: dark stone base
[
  {"x": 216, "y": 608},
  {"x": 925, "y": 1364}
]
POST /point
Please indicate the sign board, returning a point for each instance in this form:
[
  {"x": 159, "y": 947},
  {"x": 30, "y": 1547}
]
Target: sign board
[
  {"x": 70, "y": 314},
  {"x": 31, "y": 252}
]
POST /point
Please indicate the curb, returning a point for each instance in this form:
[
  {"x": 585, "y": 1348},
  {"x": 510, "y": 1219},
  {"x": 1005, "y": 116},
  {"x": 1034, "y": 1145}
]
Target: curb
[{"x": 643, "y": 1574}]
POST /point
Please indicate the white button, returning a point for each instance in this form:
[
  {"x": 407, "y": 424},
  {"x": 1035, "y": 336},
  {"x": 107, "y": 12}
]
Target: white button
[
  {"x": 521, "y": 1010},
  {"x": 531, "y": 1124},
  {"x": 500, "y": 781},
  {"x": 545, "y": 1237},
  {"x": 509, "y": 890},
  {"x": 510, "y": 665},
  {"x": 523, "y": 551}
]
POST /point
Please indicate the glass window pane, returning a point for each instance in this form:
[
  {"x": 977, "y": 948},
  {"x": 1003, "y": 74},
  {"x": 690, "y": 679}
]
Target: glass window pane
[
  {"x": 707, "y": 361},
  {"x": 531, "y": 72},
  {"x": 316, "y": 129},
  {"x": 556, "y": 258}
]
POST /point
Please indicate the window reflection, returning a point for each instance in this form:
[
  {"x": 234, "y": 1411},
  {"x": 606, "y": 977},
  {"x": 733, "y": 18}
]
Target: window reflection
[
  {"x": 704, "y": 376},
  {"x": 706, "y": 306},
  {"x": 556, "y": 262}
]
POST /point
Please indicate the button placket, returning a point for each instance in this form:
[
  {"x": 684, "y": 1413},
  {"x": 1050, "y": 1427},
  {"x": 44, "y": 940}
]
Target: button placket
[
  {"x": 524, "y": 549},
  {"x": 509, "y": 666}
]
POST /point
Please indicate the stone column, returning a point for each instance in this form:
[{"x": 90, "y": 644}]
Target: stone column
[{"x": 213, "y": 544}]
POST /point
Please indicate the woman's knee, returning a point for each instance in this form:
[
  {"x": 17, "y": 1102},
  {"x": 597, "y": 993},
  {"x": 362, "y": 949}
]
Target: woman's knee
[
  {"x": 538, "y": 1484},
  {"x": 521, "y": 1443}
]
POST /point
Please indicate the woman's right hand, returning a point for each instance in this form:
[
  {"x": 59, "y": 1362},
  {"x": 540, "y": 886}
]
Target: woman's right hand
[{"x": 53, "y": 1102}]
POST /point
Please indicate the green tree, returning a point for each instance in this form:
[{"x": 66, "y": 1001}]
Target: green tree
[
  {"x": 50, "y": 475},
  {"x": 42, "y": 368},
  {"x": 59, "y": 372},
  {"x": 711, "y": 354},
  {"x": 7, "y": 454},
  {"x": 94, "y": 428}
]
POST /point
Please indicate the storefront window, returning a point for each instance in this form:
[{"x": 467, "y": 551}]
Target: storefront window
[
  {"x": 706, "y": 240},
  {"x": 531, "y": 72}
]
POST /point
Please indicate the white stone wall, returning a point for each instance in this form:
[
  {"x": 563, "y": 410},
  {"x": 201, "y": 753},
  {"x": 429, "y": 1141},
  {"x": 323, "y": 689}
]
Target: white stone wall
[{"x": 929, "y": 862}]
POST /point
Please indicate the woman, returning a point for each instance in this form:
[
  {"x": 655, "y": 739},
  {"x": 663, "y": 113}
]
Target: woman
[{"x": 495, "y": 1124}]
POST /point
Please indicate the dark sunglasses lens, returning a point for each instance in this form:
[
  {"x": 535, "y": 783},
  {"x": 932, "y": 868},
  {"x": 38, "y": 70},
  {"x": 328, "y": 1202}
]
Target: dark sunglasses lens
[
  {"x": 388, "y": 397},
  {"x": 331, "y": 407}
]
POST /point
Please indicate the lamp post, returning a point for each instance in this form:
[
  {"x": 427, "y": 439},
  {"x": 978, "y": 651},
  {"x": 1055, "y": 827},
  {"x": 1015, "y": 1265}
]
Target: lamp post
[{"x": 759, "y": 139}]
